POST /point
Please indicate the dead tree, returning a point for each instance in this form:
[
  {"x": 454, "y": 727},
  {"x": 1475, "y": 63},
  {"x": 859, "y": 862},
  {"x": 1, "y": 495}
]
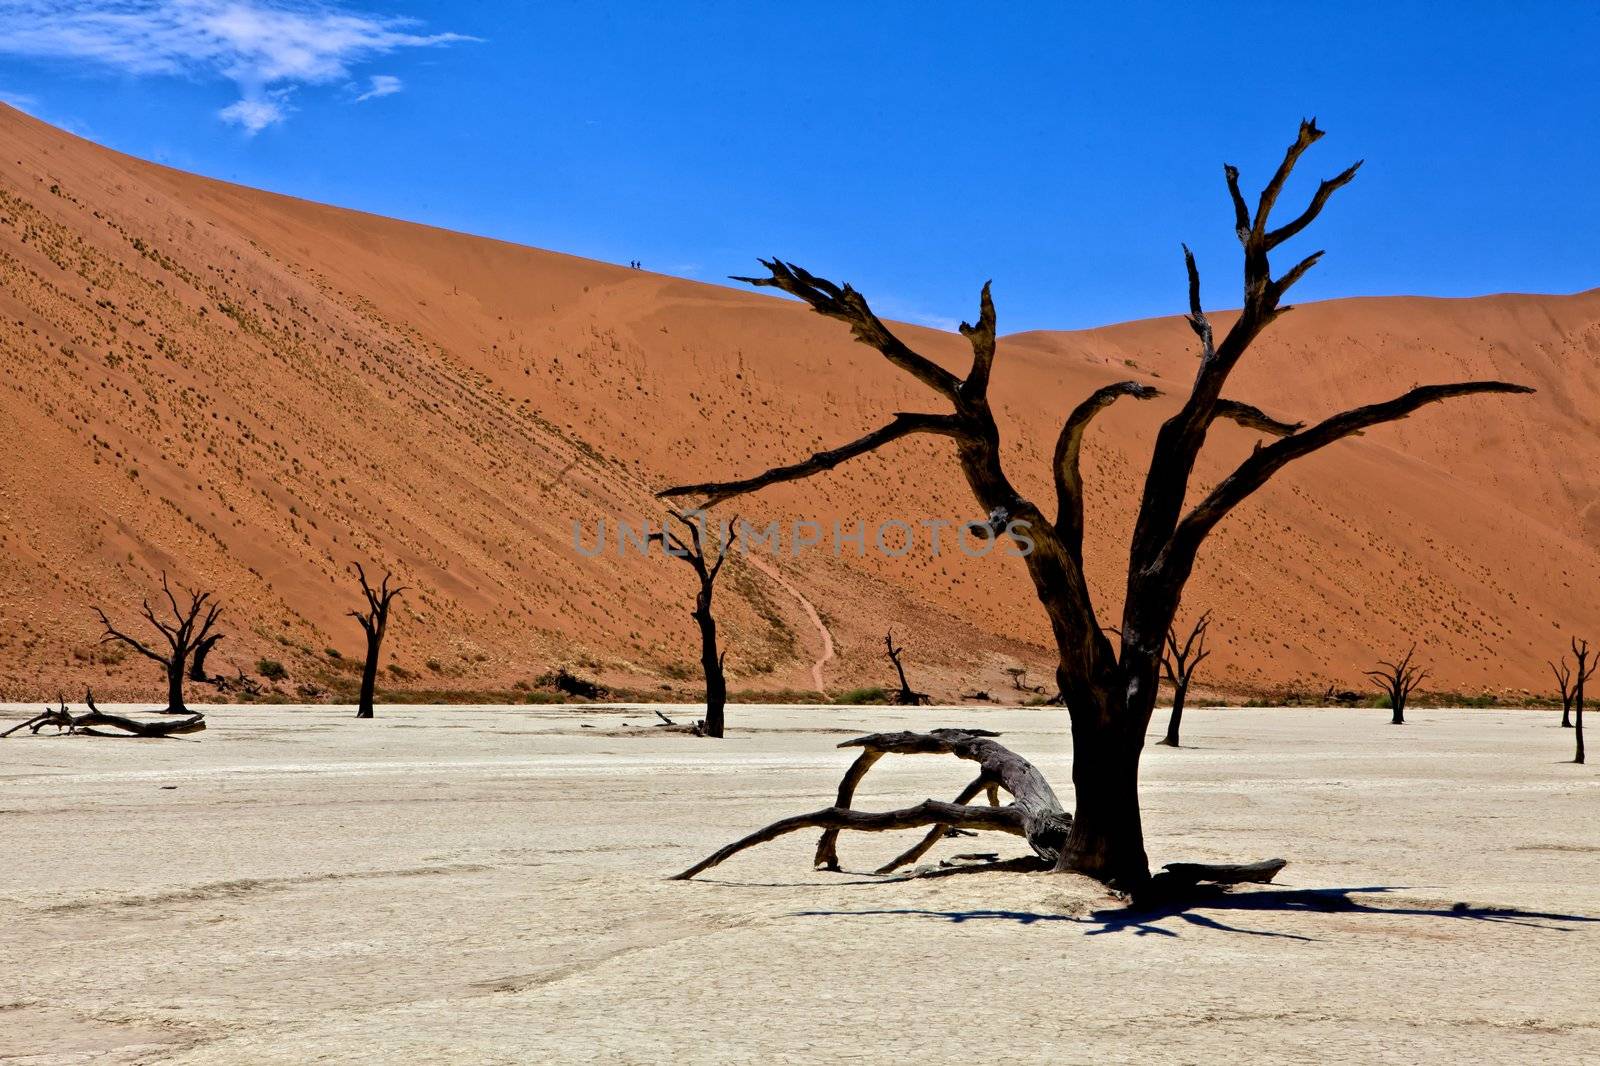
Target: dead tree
[
  {"x": 1580, "y": 677},
  {"x": 1397, "y": 679},
  {"x": 907, "y": 696},
  {"x": 1179, "y": 664},
  {"x": 197, "y": 665},
  {"x": 1564, "y": 680},
  {"x": 374, "y": 621},
  {"x": 1110, "y": 697},
  {"x": 706, "y": 568},
  {"x": 1034, "y": 813},
  {"x": 189, "y": 628},
  {"x": 95, "y": 722}
]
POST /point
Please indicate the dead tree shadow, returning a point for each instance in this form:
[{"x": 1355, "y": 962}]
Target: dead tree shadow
[{"x": 1144, "y": 919}]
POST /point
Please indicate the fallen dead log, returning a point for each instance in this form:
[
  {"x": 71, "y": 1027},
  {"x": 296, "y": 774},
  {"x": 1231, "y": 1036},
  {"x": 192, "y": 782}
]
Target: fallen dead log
[
  {"x": 1034, "y": 813},
  {"x": 94, "y": 722}
]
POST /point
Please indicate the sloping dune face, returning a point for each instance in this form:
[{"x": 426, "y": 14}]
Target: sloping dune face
[{"x": 250, "y": 392}]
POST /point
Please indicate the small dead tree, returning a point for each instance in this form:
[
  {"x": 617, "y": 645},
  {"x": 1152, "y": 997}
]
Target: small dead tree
[
  {"x": 1110, "y": 696},
  {"x": 907, "y": 696},
  {"x": 374, "y": 622},
  {"x": 189, "y": 627},
  {"x": 1563, "y": 672},
  {"x": 1179, "y": 664},
  {"x": 1397, "y": 679},
  {"x": 197, "y": 665},
  {"x": 706, "y": 568},
  {"x": 1580, "y": 678}
]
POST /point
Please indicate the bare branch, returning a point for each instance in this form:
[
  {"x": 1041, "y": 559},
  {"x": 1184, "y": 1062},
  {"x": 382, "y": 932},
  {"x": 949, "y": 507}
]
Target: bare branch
[
  {"x": 850, "y": 307},
  {"x": 112, "y": 633},
  {"x": 1241, "y": 212},
  {"x": 1277, "y": 288},
  {"x": 1255, "y": 471},
  {"x": 1324, "y": 192},
  {"x": 1309, "y": 135},
  {"x": 928, "y": 812},
  {"x": 1254, "y": 418},
  {"x": 1197, "y": 317},
  {"x": 982, "y": 337},
  {"x": 1068, "y": 476},
  {"x": 904, "y": 425}
]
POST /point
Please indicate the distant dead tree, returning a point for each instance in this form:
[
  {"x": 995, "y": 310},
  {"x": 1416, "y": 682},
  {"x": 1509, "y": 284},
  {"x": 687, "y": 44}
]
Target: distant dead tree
[
  {"x": 907, "y": 696},
  {"x": 1109, "y": 696},
  {"x": 1565, "y": 681},
  {"x": 94, "y": 722},
  {"x": 1179, "y": 664},
  {"x": 374, "y": 621},
  {"x": 694, "y": 551},
  {"x": 1397, "y": 679},
  {"x": 197, "y": 665},
  {"x": 189, "y": 627},
  {"x": 1019, "y": 679},
  {"x": 1580, "y": 677}
]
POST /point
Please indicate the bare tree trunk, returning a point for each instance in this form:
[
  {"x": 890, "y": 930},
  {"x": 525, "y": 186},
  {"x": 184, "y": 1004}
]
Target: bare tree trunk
[
  {"x": 1580, "y": 678},
  {"x": 197, "y": 665},
  {"x": 374, "y": 623},
  {"x": 369, "y": 677},
  {"x": 1106, "y": 839},
  {"x": 695, "y": 552},
  {"x": 711, "y": 663},
  {"x": 1179, "y": 662},
  {"x": 175, "y": 679},
  {"x": 1175, "y": 720}
]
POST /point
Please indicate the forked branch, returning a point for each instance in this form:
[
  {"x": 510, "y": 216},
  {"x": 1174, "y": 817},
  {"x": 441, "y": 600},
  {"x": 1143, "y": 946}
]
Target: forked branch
[
  {"x": 1262, "y": 464},
  {"x": 1069, "y": 447},
  {"x": 904, "y": 425},
  {"x": 850, "y": 307}
]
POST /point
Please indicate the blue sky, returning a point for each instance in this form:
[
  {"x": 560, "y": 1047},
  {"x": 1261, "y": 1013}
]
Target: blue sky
[{"x": 914, "y": 149}]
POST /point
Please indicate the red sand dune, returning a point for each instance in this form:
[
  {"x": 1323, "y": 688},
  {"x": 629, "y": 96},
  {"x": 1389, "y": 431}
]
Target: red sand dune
[{"x": 251, "y": 391}]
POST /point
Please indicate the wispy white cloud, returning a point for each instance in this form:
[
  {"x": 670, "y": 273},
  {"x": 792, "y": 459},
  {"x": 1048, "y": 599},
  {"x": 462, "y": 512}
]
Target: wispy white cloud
[
  {"x": 382, "y": 85},
  {"x": 20, "y": 101},
  {"x": 902, "y": 311},
  {"x": 265, "y": 47},
  {"x": 255, "y": 115}
]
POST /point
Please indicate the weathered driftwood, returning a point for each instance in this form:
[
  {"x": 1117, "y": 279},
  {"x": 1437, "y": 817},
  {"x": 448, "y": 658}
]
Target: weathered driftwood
[
  {"x": 1035, "y": 814},
  {"x": 85, "y": 724}
]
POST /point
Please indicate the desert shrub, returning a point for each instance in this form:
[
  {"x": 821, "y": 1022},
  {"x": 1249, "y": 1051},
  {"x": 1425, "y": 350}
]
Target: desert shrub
[
  {"x": 271, "y": 669},
  {"x": 870, "y": 694},
  {"x": 563, "y": 680}
]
